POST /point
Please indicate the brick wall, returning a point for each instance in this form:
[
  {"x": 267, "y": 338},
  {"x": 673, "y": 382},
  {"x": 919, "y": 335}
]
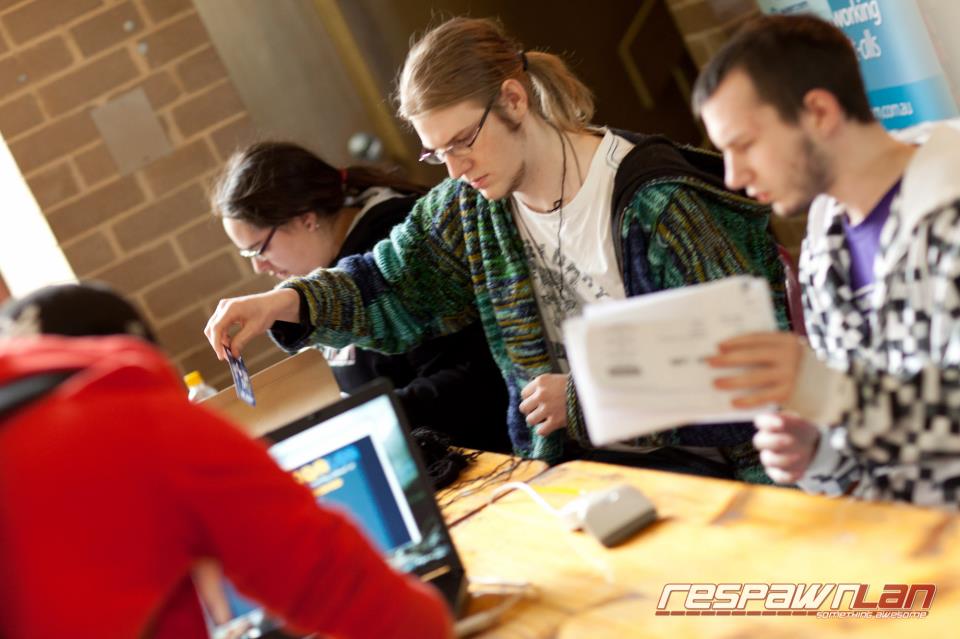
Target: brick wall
[{"x": 148, "y": 233}]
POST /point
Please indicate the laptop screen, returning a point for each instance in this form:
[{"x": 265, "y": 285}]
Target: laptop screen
[{"x": 357, "y": 457}]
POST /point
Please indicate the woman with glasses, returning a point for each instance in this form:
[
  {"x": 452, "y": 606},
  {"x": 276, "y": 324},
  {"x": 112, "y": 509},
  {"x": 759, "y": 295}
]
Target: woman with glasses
[
  {"x": 290, "y": 213},
  {"x": 544, "y": 214}
]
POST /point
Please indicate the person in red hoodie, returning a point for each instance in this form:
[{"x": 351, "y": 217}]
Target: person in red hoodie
[{"x": 113, "y": 486}]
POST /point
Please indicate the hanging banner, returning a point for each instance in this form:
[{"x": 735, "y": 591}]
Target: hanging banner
[
  {"x": 786, "y": 7},
  {"x": 904, "y": 79}
]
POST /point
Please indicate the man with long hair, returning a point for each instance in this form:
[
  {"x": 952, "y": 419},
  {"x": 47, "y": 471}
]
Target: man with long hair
[{"x": 543, "y": 214}]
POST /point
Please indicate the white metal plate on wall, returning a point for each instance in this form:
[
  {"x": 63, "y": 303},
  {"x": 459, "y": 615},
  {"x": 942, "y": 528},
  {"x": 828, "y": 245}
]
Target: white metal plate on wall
[{"x": 131, "y": 130}]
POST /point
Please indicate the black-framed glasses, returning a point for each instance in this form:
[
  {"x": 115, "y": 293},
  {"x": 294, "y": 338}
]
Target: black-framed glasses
[
  {"x": 457, "y": 149},
  {"x": 254, "y": 253}
]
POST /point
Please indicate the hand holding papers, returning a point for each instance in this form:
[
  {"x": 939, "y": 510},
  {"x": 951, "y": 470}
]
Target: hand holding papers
[{"x": 640, "y": 365}]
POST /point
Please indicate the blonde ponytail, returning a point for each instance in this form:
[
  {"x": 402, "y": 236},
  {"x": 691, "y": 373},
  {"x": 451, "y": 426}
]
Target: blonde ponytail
[
  {"x": 561, "y": 98},
  {"x": 469, "y": 59}
]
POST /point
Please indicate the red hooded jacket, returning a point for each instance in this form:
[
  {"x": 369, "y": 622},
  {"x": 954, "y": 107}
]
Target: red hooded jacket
[{"x": 113, "y": 486}]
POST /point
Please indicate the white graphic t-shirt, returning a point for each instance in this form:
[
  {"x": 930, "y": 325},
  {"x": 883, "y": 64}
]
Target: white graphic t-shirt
[{"x": 584, "y": 259}]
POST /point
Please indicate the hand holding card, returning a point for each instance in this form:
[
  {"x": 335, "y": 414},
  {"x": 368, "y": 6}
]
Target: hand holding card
[{"x": 241, "y": 378}]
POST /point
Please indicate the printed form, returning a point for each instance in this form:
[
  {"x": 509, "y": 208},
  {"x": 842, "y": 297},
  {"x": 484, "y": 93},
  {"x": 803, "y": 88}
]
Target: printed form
[{"x": 640, "y": 365}]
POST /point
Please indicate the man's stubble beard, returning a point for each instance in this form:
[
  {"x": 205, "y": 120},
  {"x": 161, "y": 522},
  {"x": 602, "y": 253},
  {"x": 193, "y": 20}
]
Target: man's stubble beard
[{"x": 815, "y": 177}]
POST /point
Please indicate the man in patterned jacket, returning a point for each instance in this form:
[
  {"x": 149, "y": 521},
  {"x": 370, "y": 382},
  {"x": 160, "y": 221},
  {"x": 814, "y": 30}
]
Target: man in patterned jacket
[{"x": 873, "y": 409}]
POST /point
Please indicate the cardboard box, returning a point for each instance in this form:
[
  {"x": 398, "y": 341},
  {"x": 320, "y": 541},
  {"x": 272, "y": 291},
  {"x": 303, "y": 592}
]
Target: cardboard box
[{"x": 286, "y": 391}]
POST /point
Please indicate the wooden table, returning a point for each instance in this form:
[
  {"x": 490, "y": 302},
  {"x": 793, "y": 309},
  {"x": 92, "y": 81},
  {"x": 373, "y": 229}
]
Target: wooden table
[
  {"x": 709, "y": 531},
  {"x": 473, "y": 488}
]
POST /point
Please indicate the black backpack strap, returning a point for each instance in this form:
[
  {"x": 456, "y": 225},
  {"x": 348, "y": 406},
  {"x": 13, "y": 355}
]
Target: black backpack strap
[{"x": 28, "y": 389}]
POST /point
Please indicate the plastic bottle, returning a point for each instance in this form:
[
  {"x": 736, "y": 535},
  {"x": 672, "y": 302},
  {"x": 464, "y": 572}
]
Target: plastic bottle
[{"x": 198, "y": 389}]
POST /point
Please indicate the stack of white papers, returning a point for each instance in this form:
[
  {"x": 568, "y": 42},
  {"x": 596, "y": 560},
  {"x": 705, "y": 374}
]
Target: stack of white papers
[{"x": 639, "y": 365}]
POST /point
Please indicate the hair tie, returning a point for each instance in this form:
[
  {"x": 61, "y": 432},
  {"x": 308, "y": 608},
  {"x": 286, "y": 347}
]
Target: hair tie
[
  {"x": 343, "y": 179},
  {"x": 523, "y": 60}
]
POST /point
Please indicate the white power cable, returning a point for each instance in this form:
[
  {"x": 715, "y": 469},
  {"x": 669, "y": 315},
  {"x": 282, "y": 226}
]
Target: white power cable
[{"x": 571, "y": 514}]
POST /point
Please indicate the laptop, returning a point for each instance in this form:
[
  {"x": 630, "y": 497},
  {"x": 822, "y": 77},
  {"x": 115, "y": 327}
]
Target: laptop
[{"x": 357, "y": 456}]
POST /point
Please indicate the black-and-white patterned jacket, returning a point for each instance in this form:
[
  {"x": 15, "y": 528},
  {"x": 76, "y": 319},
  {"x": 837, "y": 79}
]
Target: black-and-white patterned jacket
[{"x": 899, "y": 435}]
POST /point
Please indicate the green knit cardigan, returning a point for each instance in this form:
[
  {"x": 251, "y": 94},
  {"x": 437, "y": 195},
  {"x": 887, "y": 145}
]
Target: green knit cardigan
[{"x": 459, "y": 257}]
